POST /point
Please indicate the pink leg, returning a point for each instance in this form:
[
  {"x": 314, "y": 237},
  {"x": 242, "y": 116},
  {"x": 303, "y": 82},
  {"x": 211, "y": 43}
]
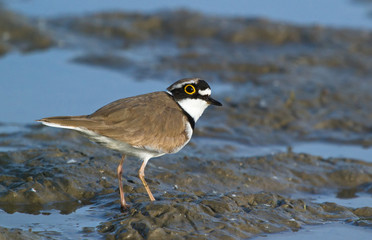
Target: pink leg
[
  {"x": 124, "y": 205},
  {"x": 141, "y": 174}
]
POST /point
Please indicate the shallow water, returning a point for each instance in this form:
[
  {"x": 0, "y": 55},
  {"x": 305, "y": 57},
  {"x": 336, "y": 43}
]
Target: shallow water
[
  {"x": 60, "y": 87},
  {"x": 358, "y": 201},
  {"x": 81, "y": 223},
  {"x": 328, "y": 150}
]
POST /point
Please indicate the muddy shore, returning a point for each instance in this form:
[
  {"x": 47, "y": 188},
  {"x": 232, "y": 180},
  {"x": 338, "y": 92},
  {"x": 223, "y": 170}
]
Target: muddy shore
[
  {"x": 280, "y": 84},
  {"x": 198, "y": 197}
]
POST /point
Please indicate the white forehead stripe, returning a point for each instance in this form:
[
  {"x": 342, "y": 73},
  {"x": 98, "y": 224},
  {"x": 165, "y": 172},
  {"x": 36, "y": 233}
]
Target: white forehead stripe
[
  {"x": 184, "y": 84},
  {"x": 205, "y": 92}
]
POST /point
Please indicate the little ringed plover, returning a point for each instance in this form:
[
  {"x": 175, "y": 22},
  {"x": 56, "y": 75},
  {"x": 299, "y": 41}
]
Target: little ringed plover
[{"x": 144, "y": 126}]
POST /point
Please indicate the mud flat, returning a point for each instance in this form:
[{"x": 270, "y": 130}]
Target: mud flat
[
  {"x": 18, "y": 34},
  {"x": 199, "y": 195}
]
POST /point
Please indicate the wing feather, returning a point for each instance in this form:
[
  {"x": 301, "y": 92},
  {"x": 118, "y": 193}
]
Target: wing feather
[{"x": 151, "y": 120}]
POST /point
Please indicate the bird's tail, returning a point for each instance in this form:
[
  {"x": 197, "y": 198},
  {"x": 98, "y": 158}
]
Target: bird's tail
[{"x": 69, "y": 122}]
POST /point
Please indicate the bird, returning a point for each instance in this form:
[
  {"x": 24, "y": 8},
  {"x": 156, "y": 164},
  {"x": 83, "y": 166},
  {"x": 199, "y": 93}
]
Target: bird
[{"x": 144, "y": 126}]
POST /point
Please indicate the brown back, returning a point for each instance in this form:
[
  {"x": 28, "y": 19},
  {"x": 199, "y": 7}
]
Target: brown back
[{"x": 151, "y": 120}]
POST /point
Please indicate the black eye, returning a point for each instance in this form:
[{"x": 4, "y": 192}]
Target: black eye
[{"x": 189, "y": 89}]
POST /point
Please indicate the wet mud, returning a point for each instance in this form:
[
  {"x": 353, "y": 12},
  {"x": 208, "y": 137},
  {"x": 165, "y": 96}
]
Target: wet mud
[
  {"x": 199, "y": 196},
  {"x": 17, "y": 33},
  {"x": 280, "y": 84}
]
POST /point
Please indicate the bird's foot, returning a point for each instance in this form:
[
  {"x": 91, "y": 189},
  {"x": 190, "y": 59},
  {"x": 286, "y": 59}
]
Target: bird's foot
[{"x": 125, "y": 207}]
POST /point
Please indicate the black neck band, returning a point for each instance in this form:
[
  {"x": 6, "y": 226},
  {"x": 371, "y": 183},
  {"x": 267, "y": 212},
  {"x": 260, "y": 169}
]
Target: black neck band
[{"x": 189, "y": 118}]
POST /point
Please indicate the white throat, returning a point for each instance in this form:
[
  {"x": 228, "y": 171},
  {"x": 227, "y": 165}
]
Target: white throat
[{"x": 194, "y": 107}]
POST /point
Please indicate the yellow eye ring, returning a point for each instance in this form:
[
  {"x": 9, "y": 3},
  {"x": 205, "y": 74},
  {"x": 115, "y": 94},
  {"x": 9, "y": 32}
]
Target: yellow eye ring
[{"x": 189, "y": 89}]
